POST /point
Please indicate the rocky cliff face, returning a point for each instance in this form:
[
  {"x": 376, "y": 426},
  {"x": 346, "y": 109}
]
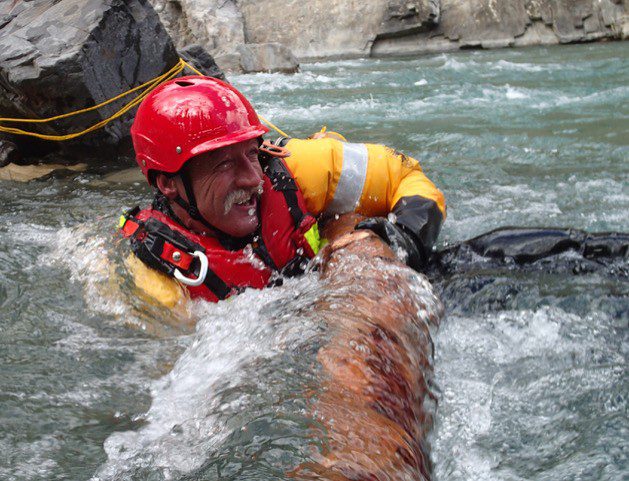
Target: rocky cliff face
[
  {"x": 507, "y": 23},
  {"x": 316, "y": 29},
  {"x": 218, "y": 25},
  {"x": 322, "y": 28}
]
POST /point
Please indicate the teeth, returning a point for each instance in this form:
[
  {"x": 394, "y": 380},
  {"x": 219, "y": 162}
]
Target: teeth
[{"x": 239, "y": 198}]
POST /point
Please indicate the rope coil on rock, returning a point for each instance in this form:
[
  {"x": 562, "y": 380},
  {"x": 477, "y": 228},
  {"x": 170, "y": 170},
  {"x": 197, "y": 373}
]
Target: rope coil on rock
[{"x": 147, "y": 86}]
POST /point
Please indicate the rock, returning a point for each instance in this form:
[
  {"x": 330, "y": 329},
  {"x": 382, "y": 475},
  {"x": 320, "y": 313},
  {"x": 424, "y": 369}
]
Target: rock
[
  {"x": 25, "y": 173},
  {"x": 126, "y": 176},
  {"x": 216, "y": 25},
  {"x": 267, "y": 57},
  {"x": 324, "y": 29},
  {"x": 200, "y": 59},
  {"x": 409, "y": 17},
  {"x": 316, "y": 29},
  {"x": 230, "y": 62},
  {"x": 9, "y": 152},
  {"x": 476, "y": 21},
  {"x": 57, "y": 56},
  {"x": 538, "y": 33},
  {"x": 497, "y": 24},
  {"x": 624, "y": 29}
]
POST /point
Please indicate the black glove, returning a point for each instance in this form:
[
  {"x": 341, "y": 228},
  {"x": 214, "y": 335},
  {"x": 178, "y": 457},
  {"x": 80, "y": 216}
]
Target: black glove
[{"x": 397, "y": 238}]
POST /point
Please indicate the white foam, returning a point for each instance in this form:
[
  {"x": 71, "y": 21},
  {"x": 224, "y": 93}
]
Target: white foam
[
  {"x": 186, "y": 418},
  {"x": 89, "y": 260},
  {"x": 619, "y": 94},
  {"x": 320, "y": 111},
  {"x": 515, "y": 94},
  {"x": 33, "y": 234},
  {"x": 261, "y": 83},
  {"x": 453, "y": 64},
  {"x": 525, "y": 67},
  {"x": 505, "y": 375}
]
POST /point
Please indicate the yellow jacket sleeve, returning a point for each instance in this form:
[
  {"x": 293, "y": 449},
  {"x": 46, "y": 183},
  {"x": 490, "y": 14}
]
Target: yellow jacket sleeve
[
  {"x": 373, "y": 180},
  {"x": 318, "y": 166}
]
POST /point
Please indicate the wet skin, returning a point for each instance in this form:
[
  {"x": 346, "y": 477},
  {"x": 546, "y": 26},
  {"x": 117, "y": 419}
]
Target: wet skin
[{"x": 226, "y": 186}]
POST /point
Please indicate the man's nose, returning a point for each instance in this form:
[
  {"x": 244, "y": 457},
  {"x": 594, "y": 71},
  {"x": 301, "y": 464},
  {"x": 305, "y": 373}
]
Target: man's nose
[{"x": 249, "y": 173}]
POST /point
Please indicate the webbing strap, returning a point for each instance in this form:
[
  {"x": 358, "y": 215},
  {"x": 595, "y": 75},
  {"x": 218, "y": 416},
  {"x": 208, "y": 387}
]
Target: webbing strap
[
  {"x": 283, "y": 182},
  {"x": 156, "y": 245},
  {"x": 216, "y": 285}
]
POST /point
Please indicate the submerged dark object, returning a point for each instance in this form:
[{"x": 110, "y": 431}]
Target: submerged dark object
[{"x": 546, "y": 249}]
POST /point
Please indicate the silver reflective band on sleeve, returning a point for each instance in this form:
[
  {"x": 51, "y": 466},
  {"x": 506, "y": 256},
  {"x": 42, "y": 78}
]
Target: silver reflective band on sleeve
[{"x": 352, "y": 181}]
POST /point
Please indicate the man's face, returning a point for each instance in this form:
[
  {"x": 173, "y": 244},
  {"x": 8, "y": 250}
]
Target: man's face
[{"x": 227, "y": 183}]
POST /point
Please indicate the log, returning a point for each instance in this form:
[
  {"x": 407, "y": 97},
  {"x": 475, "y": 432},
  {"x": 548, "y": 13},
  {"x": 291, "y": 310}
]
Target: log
[{"x": 375, "y": 402}]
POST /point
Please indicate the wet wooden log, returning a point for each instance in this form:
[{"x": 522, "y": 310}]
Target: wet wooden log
[{"x": 375, "y": 403}]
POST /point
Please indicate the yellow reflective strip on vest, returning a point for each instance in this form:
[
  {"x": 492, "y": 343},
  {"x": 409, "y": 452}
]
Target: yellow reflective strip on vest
[
  {"x": 313, "y": 238},
  {"x": 122, "y": 221}
]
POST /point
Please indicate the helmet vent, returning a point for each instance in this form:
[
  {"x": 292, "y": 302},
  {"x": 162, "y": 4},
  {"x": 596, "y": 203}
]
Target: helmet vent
[{"x": 184, "y": 83}]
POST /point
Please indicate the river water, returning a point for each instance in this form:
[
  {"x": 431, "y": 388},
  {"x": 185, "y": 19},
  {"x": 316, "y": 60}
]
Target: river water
[{"x": 530, "y": 369}]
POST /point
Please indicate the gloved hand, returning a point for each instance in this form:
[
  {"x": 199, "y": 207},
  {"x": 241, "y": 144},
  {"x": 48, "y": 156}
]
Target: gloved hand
[{"x": 402, "y": 242}]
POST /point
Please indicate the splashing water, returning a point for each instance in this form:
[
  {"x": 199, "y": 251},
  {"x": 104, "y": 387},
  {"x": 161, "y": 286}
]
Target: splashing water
[{"x": 247, "y": 396}]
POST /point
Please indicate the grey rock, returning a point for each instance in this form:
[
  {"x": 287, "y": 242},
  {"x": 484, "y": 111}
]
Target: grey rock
[
  {"x": 324, "y": 29},
  {"x": 200, "y": 59},
  {"x": 315, "y": 29},
  {"x": 539, "y": 10},
  {"x": 57, "y": 56},
  {"x": 476, "y": 21},
  {"x": 216, "y": 25},
  {"x": 496, "y": 24},
  {"x": 230, "y": 62},
  {"x": 9, "y": 153},
  {"x": 267, "y": 57},
  {"x": 538, "y": 33}
]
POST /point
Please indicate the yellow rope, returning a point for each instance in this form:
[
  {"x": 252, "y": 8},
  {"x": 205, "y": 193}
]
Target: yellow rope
[
  {"x": 274, "y": 127},
  {"x": 191, "y": 67},
  {"x": 177, "y": 67},
  {"x": 147, "y": 86}
]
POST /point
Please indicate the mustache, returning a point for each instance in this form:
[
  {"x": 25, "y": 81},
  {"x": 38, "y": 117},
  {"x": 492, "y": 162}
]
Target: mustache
[{"x": 240, "y": 195}]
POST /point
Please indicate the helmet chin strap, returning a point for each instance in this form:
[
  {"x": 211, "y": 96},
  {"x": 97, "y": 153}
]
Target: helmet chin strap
[{"x": 193, "y": 210}]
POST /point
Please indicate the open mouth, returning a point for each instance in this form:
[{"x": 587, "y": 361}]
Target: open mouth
[
  {"x": 246, "y": 202},
  {"x": 243, "y": 200}
]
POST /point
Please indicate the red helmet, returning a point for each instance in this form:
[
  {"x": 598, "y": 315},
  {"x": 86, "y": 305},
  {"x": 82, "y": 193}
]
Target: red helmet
[{"x": 188, "y": 116}]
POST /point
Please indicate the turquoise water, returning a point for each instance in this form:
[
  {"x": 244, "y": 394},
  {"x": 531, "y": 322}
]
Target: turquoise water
[{"x": 531, "y": 369}]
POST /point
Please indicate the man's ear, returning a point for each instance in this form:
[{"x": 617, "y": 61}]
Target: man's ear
[{"x": 167, "y": 186}]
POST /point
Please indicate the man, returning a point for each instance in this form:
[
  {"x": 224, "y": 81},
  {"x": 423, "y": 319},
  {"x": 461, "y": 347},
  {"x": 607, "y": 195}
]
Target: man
[{"x": 232, "y": 212}]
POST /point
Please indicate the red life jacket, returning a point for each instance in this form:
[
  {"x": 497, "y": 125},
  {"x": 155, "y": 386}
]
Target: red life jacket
[{"x": 286, "y": 238}]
